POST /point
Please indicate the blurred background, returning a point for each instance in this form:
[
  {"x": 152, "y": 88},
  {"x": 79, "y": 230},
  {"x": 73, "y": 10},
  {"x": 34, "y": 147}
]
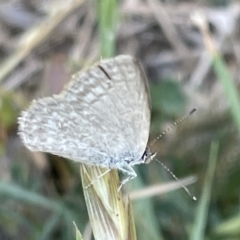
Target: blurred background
[{"x": 190, "y": 51}]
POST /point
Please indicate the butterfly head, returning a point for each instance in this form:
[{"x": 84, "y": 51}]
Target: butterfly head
[{"x": 148, "y": 156}]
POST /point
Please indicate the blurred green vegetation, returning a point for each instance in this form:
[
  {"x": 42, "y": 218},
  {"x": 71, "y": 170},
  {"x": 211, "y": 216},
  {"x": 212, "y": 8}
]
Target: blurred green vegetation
[{"x": 42, "y": 200}]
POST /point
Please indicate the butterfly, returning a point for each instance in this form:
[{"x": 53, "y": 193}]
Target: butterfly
[{"x": 101, "y": 118}]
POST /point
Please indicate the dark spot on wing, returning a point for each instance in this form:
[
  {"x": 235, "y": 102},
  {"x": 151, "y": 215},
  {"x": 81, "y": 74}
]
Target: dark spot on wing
[
  {"x": 193, "y": 111},
  {"x": 104, "y": 71}
]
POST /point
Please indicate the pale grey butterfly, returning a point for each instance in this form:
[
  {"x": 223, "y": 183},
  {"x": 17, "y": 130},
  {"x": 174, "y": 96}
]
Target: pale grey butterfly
[{"x": 101, "y": 118}]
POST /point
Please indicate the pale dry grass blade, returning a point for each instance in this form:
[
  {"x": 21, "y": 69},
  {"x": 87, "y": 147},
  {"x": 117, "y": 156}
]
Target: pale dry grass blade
[
  {"x": 110, "y": 216},
  {"x": 160, "y": 189},
  {"x": 37, "y": 35}
]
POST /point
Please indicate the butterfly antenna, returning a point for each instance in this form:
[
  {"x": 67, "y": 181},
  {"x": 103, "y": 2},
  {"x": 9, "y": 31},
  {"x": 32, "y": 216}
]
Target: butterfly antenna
[
  {"x": 173, "y": 125},
  {"x": 179, "y": 181}
]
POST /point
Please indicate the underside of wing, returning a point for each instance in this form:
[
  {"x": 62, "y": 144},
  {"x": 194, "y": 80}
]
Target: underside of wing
[{"x": 102, "y": 115}]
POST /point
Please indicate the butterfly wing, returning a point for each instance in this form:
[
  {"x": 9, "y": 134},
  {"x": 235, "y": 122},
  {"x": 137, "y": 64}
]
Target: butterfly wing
[{"x": 102, "y": 117}]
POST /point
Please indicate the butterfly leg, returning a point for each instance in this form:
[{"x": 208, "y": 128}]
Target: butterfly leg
[
  {"x": 129, "y": 171},
  {"x": 96, "y": 179}
]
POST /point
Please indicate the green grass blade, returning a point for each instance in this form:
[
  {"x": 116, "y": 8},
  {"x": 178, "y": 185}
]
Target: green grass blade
[
  {"x": 49, "y": 227},
  {"x": 229, "y": 87},
  {"x": 18, "y": 193},
  {"x": 198, "y": 230},
  {"x": 147, "y": 226},
  {"x": 107, "y": 14},
  {"x": 78, "y": 233}
]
